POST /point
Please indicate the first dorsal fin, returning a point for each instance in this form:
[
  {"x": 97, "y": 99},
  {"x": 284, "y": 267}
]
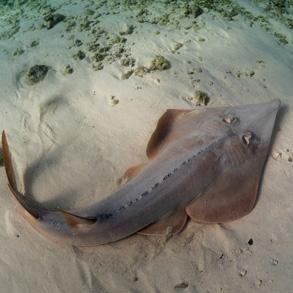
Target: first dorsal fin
[
  {"x": 77, "y": 221},
  {"x": 130, "y": 173},
  {"x": 163, "y": 131}
]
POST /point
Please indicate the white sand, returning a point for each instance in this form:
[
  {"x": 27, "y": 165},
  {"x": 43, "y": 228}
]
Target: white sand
[{"x": 70, "y": 145}]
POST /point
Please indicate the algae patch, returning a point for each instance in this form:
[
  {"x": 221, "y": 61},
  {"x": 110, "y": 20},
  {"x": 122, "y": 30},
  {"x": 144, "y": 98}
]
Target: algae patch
[
  {"x": 18, "y": 52},
  {"x": 127, "y": 30},
  {"x": 34, "y": 43},
  {"x": 281, "y": 38},
  {"x": 127, "y": 61},
  {"x": 52, "y": 19},
  {"x": 141, "y": 71},
  {"x": 176, "y": 47},
  {"x": 127, "y": 74},
  {"x": 36, "y": 74},
  {"x": 160, "y": 63},
  {"x": 199, "y": 98},
  {"x": 98, "y": 66},
  {"x": 80, "y": 55}
]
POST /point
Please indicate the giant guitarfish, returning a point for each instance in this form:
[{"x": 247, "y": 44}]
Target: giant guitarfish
[{"x": 206, "y": 165}]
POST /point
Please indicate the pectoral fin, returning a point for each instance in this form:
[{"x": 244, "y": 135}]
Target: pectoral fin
[
  {"x": 172, "y": 224},
  {"x": 232, "y": 196}
]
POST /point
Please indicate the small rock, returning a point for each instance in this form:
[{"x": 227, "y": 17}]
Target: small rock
[
  {"x": 127, "y": 30},
  {"x": 34, "y": 43},
  {"x": 192, "y": 10},
  {"x": 177, "y": 46},
  {"x": 140, "y": 71},
  {"x": 68, "y": 70},
  {"x": 18, "y": 52},
  {"x": 89, "y": 12},
  {"x": 113, "y": 101},
  {"x": 250, "y": 241},
  {"x": 98, "y": 66},
  {"x": 80, "y": 55},
  {"x": 242, "y": 272},
  {"x": 101, "y": 54},
  {"x": 182, "y": 285},
  {"x": 127, "y": 74},
  {"x": 70, "y": 26},
  {"x": 200, "y": 98},
  {"x": 275, "y": 261},
  {"x": 36, "y": 74},
  {"x": 116, "y": 40},
  {"x": 78, "y": 43},
  {"x": 127, "y": 61},
  {"x": 157, "y": 80},
  {"x": 97, "y": 57},
  {"x": 276, "y": 155},
  {"x": 169, "y": 233},
  {"x": 52, "y": 19},
  {"x": 258, "y": 283}
]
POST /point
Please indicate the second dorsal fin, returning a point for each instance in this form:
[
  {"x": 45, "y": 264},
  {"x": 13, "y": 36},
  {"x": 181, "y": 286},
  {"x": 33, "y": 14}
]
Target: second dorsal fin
[{"x": 77, "y": 221}]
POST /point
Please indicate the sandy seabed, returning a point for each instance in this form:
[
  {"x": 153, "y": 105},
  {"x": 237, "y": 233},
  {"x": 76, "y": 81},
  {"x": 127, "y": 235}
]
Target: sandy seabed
[{"x": 76, "y": 128}]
